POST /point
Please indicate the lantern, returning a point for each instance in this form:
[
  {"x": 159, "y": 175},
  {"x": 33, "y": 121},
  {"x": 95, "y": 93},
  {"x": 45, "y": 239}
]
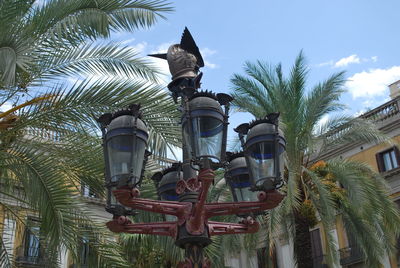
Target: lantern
[
  {"x": 166, "y": 184},
  {"x": 238, "y": 179},
  {"x": 263, "y": 150},
  {"x": 124, "y": 145},
  {"x": 205, "y": 126}
]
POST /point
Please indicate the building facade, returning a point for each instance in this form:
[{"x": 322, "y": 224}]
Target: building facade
[{"x": 383, "y": 158}]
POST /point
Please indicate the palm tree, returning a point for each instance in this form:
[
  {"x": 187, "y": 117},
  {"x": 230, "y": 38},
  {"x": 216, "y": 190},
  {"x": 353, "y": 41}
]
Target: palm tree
[
  {"x": 49, "y": 140},
  {"x": 367, "y": 211}
]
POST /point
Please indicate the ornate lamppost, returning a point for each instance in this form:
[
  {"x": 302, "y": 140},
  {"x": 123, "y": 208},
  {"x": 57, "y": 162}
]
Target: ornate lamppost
[{"x": 253, "y": 175}]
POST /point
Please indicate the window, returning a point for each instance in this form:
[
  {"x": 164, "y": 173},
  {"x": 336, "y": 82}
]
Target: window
[
  {"x": 87, "y": 192},
  {"x": 84, "y": 249},
  {"x": 85, "y": 253},
  {"x": 388, "y": 160},
  {"x": 31, "y": 246},
  {"x": 316, "y": 248}
]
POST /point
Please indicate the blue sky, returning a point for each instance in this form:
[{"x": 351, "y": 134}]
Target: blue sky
[{"x": 359, "y": 36}]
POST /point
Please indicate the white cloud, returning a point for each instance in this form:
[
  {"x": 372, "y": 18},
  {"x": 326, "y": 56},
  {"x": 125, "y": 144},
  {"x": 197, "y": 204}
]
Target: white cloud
[
  {"x": 326, "y": 63},
  {"x": 162, "y": 48},
  {"x": 372, "y": 83},
  {"x": 127, "y": 41},
  {"x": 360, "y": 112},
  {"x": 343, "y": 62},
  {"x": 323, "y": 121},
  {"x": 6, "y": 106},
  {"x": 210, "y": 65},
  {"x": 140, "y": 47},
  {"x": 207, "y": 53}
]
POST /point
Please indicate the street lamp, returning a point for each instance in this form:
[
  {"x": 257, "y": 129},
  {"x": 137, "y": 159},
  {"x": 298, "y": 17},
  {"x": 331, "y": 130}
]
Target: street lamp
[
  {"x": 124, "y": 144},
  {"x": 183, "y": 187},
  {"x": 238, "y": 178},
  {"x": 264, "y": 149},
  {"x": 205, "y": 127},
  {"x": 166, "y": 182}
]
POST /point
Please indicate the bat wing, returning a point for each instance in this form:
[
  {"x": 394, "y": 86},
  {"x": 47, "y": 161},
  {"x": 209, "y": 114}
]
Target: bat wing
[{"x": 188, "y": 44}]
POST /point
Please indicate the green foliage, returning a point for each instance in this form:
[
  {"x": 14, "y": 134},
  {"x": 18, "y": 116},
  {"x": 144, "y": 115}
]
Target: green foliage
[
  {"x": 49, "y": 140},
  {"x": 313, "y": 187}
]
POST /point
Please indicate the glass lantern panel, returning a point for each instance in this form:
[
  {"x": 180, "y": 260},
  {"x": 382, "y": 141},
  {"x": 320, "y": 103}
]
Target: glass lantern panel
[
  {"x": 138, "y": 158},
  {"x": 243, "y": 192},
  {"x": 281, "y": 159},
  {"x": 170, "y": 195},
  {"x": 112, "y": 200},
  {"x": 125, "y": 154},
  {"x": 207, "y": 135},
  {"x": 261, "y": 160}
]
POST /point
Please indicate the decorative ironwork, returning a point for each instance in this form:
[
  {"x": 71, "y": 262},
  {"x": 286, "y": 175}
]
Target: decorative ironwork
[
  {"x": 192, "y": 219},
  {"x": 30, "y": 256},
  {"x": 351, "y": 255},
  {"x": 203, "y": 120}
]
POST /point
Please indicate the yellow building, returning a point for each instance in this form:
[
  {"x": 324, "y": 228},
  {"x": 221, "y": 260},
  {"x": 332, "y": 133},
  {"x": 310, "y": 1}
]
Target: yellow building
[
  {"x": 385, "y": 159},
  {"x": 20, "y": 233}
]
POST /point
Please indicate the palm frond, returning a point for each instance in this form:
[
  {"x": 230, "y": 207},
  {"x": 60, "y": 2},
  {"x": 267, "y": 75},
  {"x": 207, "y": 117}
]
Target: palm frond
[
  {"x": 324, "y": 203},
  {"x": 74, "y": 20},
  {"x": 323, "y": 99},
  {"x": 369, "y": 215},
  {"x": 95, "y": 59}
]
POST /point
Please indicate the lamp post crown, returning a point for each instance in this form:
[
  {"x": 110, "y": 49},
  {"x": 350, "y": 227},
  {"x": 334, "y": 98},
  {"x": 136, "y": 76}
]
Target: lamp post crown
[
  {"x": 235, "y": 160},
  {"x": 161, "y": 175},
  {"x": 184, "y": 59},
  {"x": 166, "y": 180},
  {"x": 204, "y": 99},
  {"x": 230, "y": 156},
  {"x": 127, "y": 121}
]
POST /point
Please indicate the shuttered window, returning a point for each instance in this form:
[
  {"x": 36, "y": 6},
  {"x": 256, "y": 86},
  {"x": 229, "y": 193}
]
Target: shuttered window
[{"x": 388, "y": 159}]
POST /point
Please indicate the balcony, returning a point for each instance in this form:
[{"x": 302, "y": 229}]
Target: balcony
[
  {"x": 351, "y": 255},
  {"x": 30, "y": 257},
  {"x": 382, "y": 113},
  {"x": 319, "y": 262},
  {"x": 386, "y": 118}
]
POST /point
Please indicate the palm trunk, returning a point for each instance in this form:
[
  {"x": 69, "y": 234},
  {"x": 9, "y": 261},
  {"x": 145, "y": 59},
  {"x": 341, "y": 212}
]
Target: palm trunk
[{"x": 302, "y": 242}]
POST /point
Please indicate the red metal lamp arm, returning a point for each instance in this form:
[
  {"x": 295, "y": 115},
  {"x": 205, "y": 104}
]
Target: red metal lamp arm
[
  {"x": 222, "y": 228},
  {"x": 267, "y": 201},
  {"x": 195, "y": 224},
  {"x": 127, "y": 198},
  {"x": 124, "y": 225}
]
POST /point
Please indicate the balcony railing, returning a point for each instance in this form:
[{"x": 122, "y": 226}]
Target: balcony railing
[
  {"x": 44, "y": 134},
  {"x": 384, "y": 111},
  {"x": 30, "y": 257},
  {"x": 351, "y": 255},
  {"x": 379, "y": 114}
]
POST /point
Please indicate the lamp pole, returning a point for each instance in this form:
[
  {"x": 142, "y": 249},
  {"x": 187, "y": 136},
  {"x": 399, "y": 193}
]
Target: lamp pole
[{"x": 253, "y": 175}]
